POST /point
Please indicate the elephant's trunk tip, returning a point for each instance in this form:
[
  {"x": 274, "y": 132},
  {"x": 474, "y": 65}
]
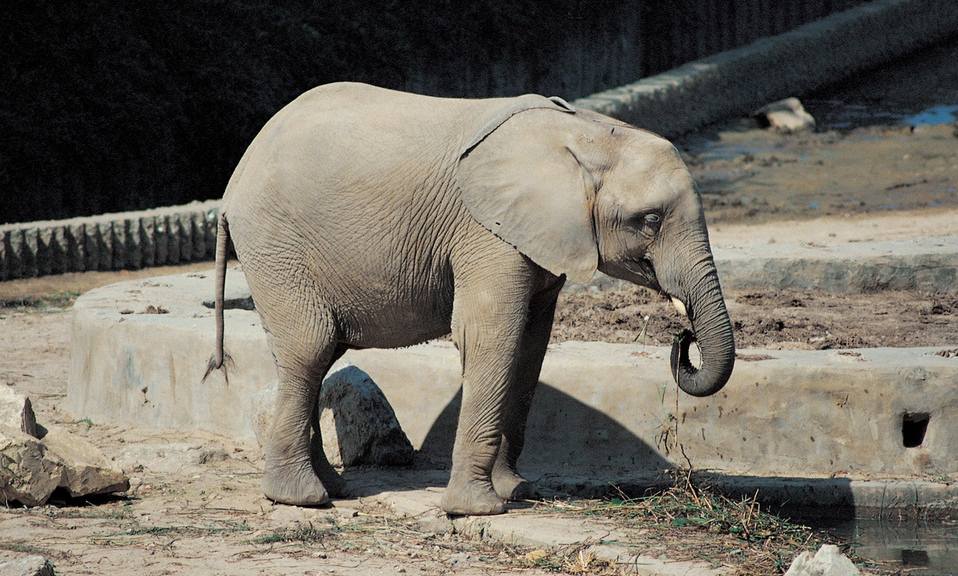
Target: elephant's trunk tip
[{"x": 691, "y": 380}]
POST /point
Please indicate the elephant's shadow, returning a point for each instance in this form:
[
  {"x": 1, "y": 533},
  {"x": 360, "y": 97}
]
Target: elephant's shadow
[
  {"x": 570, "y": 448},
  {"x": 574, "y": 450}
]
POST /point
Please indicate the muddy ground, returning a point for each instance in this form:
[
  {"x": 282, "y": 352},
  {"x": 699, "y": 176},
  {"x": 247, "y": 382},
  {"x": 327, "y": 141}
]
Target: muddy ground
[
  {"x": 884, "y": 141},
  {"x": 778, "y": 320}
]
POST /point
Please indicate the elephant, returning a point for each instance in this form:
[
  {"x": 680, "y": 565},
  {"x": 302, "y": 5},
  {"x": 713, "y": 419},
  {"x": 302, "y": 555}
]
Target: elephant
[{"x": 370, "y": 218}]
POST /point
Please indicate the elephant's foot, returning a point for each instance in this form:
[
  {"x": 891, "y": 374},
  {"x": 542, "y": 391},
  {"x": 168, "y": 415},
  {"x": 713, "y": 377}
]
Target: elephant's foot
[
  {"x": 334, "y": 483},
  {"x": 509, "y": 485},
  {"x": 472, "y": 497},
  {"x": 295, "y": 484}
]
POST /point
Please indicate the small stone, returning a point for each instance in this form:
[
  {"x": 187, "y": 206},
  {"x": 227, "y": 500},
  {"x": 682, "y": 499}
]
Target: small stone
[
  {"x": 27, "y": 566},
  {"x": 786, "y": 115},
  {"x": 211, "y": 455},
  {"x": 16, "y": 412}
]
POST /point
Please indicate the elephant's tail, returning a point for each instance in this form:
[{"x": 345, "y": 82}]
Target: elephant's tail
[{"x": 220, "y": 359}]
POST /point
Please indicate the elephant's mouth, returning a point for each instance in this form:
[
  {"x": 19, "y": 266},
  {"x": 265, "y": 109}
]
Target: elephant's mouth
[{"x": 644, "y": 271}]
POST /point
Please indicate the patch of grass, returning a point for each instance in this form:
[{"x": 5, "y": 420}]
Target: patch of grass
[
  {"x": 25, "y": 548},
  {"x": 690, "y": 522},
  {"x": 302, "y": 534},
  {"x": 579, "y": 560},
  {"x": 61, "y": 299},
  {"x": 701, "y": 508},
  {"x": 182, "y": 530}
]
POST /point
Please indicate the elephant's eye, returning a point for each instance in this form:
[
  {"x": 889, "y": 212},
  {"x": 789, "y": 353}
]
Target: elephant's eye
[{"x": 648, "y": 224}]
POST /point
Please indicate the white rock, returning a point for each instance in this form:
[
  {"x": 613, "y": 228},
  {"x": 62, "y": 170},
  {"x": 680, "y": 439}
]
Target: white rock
[
  {"x": 27, "y": 566},
  {"x": 828, "y": 561},
  {"x": 786, "y": 115},
  {"x": 16, "y": 412}
]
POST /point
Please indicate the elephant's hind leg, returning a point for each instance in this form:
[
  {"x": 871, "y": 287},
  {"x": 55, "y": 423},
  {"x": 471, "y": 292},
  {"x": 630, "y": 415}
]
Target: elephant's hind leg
[
  {"x": 509, "y": 484},
  {"x": 295, "y": 474}
]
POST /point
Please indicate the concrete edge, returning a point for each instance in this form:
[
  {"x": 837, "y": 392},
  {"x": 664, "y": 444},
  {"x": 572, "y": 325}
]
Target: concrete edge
[
  {"x": 790, "y": 64},
  {"x": 851, "y": 269},
  {"x": 116, "y": 241},
  {"x": 854, "y": 404}
]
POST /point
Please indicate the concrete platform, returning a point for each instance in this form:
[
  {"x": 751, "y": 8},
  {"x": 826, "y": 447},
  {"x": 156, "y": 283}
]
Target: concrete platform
[{"x": 819, "y": 421}]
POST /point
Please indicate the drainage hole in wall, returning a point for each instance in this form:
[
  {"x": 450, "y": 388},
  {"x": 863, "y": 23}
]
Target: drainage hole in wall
[{"x": 913, "y": 428}]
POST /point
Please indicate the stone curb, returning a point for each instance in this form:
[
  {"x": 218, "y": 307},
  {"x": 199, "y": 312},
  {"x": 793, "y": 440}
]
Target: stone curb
[
  {"x": 738, "y": 81},
  {"x": 921, "y": 264},
  {"x": 119, "y": 241},
  {"x": 611, "y": 410}
]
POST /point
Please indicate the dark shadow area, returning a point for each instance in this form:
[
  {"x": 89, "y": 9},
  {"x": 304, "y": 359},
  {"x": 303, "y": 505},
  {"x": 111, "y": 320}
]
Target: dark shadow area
[
  {"x": 574, "y": 450},
  {"x": 61, "y": 498},
  {"x": 111, "y": 106},
  {"x": 913, "y": 428}
]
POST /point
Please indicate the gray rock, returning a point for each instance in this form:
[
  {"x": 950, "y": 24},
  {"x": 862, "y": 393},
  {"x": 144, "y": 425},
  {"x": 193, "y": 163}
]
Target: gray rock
[
  {"x": 29, "y": 473},
  {"x": 27, "y": 566},
  {"x": 786, "y": 115},
  {"x": 358, "y": 424},
  {"x": 35, "y": 461},
  {"x": 828, "y": 561}
]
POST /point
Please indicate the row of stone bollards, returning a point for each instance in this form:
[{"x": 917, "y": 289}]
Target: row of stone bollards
[{"x": 122, "y": 241}]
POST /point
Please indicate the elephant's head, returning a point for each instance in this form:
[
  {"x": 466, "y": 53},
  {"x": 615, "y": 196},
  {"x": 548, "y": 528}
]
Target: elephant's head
[{"x": 577, "y": 193}]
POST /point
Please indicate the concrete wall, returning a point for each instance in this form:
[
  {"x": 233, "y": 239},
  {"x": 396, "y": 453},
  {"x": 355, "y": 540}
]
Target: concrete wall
[
  {"x": 600, "y": 408},
  {"x": 738, "y": 81},
  {"x": 130, "y": 240}
]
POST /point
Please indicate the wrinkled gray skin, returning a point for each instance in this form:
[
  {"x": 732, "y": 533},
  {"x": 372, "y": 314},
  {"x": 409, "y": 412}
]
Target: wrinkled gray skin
[{"x": 368, "y": 218}]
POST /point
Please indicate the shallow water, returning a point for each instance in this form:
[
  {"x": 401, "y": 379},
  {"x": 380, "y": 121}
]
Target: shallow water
[
  {"x": 917, "y": 547},
  {"x": 935, "y": 115},
  {"x": 839, "y": 115}
]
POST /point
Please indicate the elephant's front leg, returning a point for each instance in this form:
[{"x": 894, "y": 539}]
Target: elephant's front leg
[
  {"x": 488, "y": 320},
  {"x": 532, "y": 349}
]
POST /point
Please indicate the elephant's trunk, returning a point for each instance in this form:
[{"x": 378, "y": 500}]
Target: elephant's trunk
[{"x": 698, "y": 288}]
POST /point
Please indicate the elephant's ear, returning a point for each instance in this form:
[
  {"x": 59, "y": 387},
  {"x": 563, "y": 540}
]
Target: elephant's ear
[{"x": 524, "y": 184}]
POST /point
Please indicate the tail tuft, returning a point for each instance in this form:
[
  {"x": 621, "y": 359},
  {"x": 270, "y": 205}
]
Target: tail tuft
[{"x": 226, "y": 363}]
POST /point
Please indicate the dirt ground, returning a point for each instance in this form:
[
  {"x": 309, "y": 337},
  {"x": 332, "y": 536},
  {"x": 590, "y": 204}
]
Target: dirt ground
[
  {"x": 195, "y": 505},
  {"x": 780, "y": 320}
]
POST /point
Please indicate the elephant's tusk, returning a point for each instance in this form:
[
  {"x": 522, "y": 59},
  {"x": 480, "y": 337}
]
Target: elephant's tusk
[{"x": 679, "y": 306}]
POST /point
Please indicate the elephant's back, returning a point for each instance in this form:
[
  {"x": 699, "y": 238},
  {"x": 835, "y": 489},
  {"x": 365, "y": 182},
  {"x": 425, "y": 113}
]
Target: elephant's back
[{"x": 348, "y": 188}]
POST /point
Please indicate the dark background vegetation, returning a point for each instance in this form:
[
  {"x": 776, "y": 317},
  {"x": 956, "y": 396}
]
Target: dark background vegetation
[{"x": 109, "y": 106}]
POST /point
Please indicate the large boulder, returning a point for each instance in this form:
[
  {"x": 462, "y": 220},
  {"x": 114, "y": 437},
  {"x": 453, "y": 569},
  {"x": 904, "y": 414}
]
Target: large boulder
[
  {"x": 35, "y": 461},
  {"x": 828, "y": 561},
  {"x": 358, "y": 425}
]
